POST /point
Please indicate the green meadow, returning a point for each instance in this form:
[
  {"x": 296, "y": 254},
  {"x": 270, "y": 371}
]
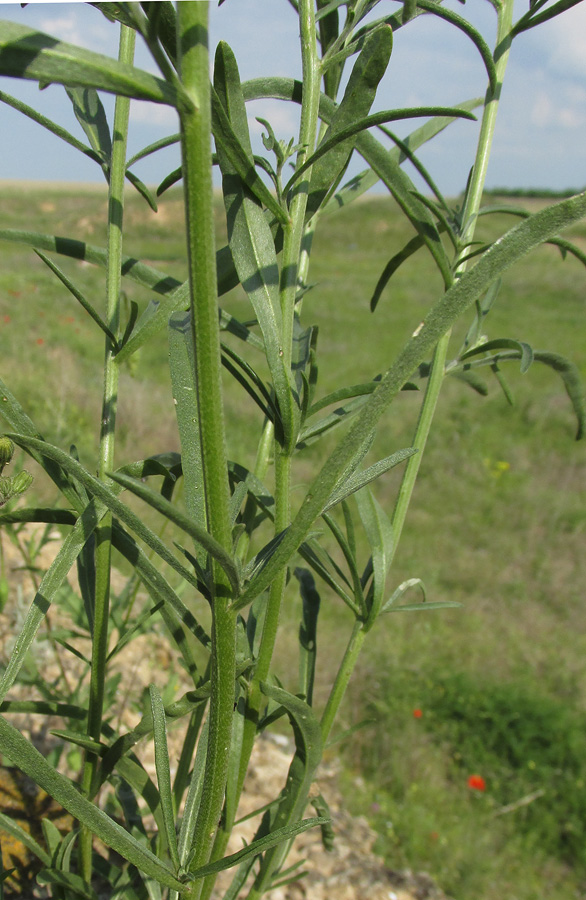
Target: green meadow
[{"x": 463, "y": 736}]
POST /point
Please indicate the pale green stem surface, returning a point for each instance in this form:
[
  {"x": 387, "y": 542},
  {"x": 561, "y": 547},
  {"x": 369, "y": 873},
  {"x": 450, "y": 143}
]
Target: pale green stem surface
[
  {"x": 197, "y": 177},
  {"x": 107, "y": 437}
]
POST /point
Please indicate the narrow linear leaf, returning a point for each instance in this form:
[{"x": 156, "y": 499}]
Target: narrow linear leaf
[
  {"x": 163, "y": 771},
  {"x": 142, "y": 190},
  {"x": 380, "y": 118},
  {"x": 310, "y": 600},
  {"x": 465, "y": 26},
  {"x": 182, "y": 369},
  {"x": 11, "y": 826},
  {"x": 361, "y": 479},
  {"x": 525, "y": 350},
  {"x": 50, "y": 584},
  {"x": 422, "y": 607},
  {"x": 361, "y": 183},
  {"x": 67, "y": 880},
  {"x": 152, "y": 148},
  {"x": 104, "y": 494},
  {"x": 529, "y": 20},
  {"x": 379, "y": 533},
  {"x": 91, "y": 115},
  {"x": 79, "y": 297},
  {"x": 26, "y": 53},
  {"x": 53, "y": 127},
  {"x": 228, "y": 143},
  {"x": 184, "y": 522},
  {"x": 34, "y": 764},
  {"x": 308, "y": 750},
  {"x": 250, "y": 238},
  {"x": 379, "y": 159},
  {"x": 358, "y": 98},
  {"x": 515, "y": 244},
  {"x": 261, "y": 845}
]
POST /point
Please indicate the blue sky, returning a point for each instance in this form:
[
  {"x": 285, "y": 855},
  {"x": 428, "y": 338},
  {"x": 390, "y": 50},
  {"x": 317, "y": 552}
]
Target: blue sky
[{"x": 541, "y": 132}]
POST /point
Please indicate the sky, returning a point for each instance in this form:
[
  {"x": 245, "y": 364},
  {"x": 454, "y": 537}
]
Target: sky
[{"x": 541, "y": 128}]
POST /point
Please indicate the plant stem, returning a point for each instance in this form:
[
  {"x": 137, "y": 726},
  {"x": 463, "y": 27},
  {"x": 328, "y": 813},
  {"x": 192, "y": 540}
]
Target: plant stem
[
  {"x": 436, "y": 375},
  {"x": 107, "y": 438},
  {"x": 290, "y": 272},
  {"x": 343, "y": 676},
  {"x": 197, "y": 176},
  {"x": 469, "y": 218}
]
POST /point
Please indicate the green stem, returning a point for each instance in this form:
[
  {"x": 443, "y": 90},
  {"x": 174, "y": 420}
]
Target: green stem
[
  {"x": 307, "y": 135},
  {"x": 290, "y": 274},
  {"x": 343, "y": 676},
  {"x": 473, "y": 201},
  {"x": 436, "y": 375},
  {"x": 107, "y": 438},
  {"x": 197, "y": 176}
]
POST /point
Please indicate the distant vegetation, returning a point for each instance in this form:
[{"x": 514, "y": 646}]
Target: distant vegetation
[{"x": 533, "y": 193}]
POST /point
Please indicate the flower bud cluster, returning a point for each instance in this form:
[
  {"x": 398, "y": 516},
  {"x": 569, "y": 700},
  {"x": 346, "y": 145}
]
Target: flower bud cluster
[{"x": 11, "y": 487}]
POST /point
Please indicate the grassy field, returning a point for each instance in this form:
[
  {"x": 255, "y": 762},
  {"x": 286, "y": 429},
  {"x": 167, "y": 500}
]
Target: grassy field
[{"x": 495, "y": 689}]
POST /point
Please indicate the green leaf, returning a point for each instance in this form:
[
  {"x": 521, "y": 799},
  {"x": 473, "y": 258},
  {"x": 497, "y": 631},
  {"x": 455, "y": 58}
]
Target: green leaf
[
  {"x": 187, "y": 524},
  {"x": 50, "y": 584},
  {"x": 470, "y": 31},
  {"x": 310, "y": 600},
  {"x": 39, "y": 514},
  {"x": 230, "y": 130},
  {"x": 379, "y": 533},
  {"x": 159, "y": 588},
  {"x": 53, "y": 127},
  {"x": 529, "y": 20},
  {"x": 142, "y": 190},
  {"x": 568, "y": 371},
  {"x": 308, "y": 751},
  {"x": 152, "y": 148},
  {"x": 73, "y": 883},
  {"x": 357, "y": 481},
  {"x": 368, "y": 178},
  {"x": 379, "y": 159},
  {"x": 400, "y": 591},
  {"x": 251, "y": 240},
  {"x": 91, "y": 115},
  {"x": 515, "y": 244},
  {"x": 108, "y": 498},
  {"x": 79, "y": 297},
  {"x": 524, "y": 349},
  {"x": 164, "y": 771},
  {"x": 10, "y": 826},
  {"x": 358, "y": 98},
  {"x": 261, "y": 845},
  {"x": 25, "y": 53},
  {"x": 182, "y": 369},
  {"x": 423, "y": 607},
  {"x": 34, "y": 764},
  {"x": 387, "y": 115}
]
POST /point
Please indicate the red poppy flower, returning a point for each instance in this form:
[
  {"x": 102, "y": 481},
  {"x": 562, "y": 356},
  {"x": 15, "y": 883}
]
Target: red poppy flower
[
  {"x": 40, "y": 341},
  {"x": 417, "y": 713},
  {"x": 477, "y": 783}
]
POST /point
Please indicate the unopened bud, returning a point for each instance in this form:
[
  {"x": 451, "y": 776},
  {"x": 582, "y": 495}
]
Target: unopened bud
[
  {"x": 6, "y": 451},
  {"x": 21, "y": 483}
]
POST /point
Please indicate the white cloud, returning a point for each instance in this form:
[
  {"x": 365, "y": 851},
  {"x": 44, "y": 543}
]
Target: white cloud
[
  {"x": 72, "y": 29},
  {"x": 154, "y": 114},
  {"x": 563, "y": 42}
]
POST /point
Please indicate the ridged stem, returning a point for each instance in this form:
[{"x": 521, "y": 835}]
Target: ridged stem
[
  {"x": 197, "y": 177},
  {"x": 107, "y": 438}
]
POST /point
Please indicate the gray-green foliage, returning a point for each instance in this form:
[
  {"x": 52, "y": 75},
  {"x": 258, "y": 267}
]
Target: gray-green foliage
[{"x": 230, "y": 567}]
